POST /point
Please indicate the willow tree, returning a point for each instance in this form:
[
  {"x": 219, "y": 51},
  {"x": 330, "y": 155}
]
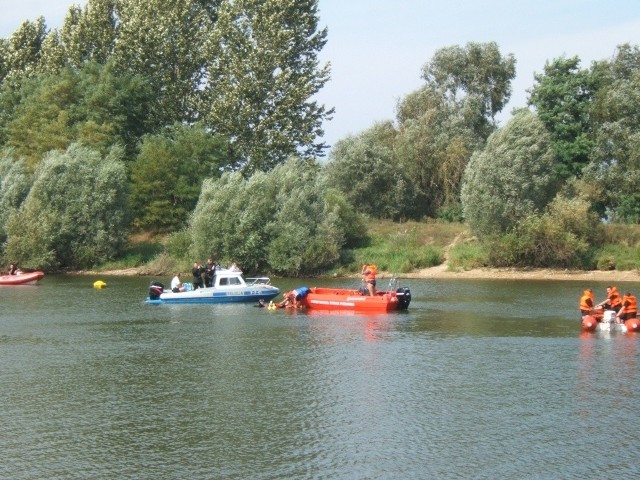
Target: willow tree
[
  {"x": 441, "y": 124},
  {"x": 285, "y": 221},
  {"x": 75, "y": 214},
  {"x": 262, "y": 79},
  {"x": 477, "y": 77},
  {"x": 511, "y": 178},
  {"x": 15, "y": 183},
  {"x": 365, "y": 169}
]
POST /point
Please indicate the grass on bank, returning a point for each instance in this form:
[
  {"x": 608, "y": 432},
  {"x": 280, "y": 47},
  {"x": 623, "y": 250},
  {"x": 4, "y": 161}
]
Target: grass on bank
[
  {"x": 394, "y": 247},
  {"x": 403, "y": 247}
]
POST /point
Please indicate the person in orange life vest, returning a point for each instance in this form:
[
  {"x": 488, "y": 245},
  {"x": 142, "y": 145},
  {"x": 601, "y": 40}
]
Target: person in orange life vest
[
  {"x": 586, "y": 302},
  {"x": 613, "y": 301},
  {"x": 369, "y": 277},
  {"x": 629, "y": 308}
]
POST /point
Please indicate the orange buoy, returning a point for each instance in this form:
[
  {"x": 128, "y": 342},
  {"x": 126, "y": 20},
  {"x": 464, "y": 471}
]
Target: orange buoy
[
  {"x": 632, "y": 324},
  {"x": 589, "y": 323}
]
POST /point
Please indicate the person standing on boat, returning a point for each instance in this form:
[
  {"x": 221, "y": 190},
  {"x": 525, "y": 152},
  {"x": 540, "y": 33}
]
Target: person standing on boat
[
  {"x": 176, "y": 284},
  {"x": 613, "y": 301},
  {"x": 629, "y": 308},
  {"x": 209, "y": 272},
  {"x": 196, "y": 271},
  {"x": 369, "y": 277},
  {"x": 586, "y": 302}
]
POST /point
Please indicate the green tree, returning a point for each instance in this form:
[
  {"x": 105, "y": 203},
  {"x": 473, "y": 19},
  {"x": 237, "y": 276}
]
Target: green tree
[
  {"x": 562, "y": 97},
  {"x": 165, "y": 41},
  {"x": 564, "y": 235},
  {"x": 615, "y": 159},
  {"x": 22, "y": 51},
  {"x": 442, "y": 123},
  {"x": 262, "y": 78},
  {"x": 89, "y": 34},
  {"x": 511, "y": 178},
  {"x": 15, "y": 183},
  {"x": 476, "y": 76},
  {"x": 75, "y": 215},
  {"x": 92, "y": 106},
  {"x": 433, "y": 147},
  {"x": 168, "y": 173},
  {"x": 285, "y": 221},
  {"x": 365, "y": 170}
]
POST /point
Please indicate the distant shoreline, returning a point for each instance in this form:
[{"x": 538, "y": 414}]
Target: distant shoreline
[{"x": 442, "y": 272}]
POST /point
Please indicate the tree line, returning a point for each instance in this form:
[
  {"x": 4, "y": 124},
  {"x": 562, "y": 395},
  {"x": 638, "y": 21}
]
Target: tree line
[{"x": 199, "y": 118}]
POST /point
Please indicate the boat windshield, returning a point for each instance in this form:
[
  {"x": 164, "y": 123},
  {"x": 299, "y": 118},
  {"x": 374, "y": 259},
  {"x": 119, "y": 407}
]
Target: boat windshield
[{"x": 258, "y": 281}]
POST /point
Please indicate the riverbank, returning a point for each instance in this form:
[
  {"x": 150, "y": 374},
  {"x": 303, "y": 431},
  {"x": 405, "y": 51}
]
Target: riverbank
[{"x": 442, "y": 272}]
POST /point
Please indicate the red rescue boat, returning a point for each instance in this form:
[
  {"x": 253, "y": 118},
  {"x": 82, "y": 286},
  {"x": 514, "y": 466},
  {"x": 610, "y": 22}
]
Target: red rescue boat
[
  {"x": 24, "y": 278},
  {"x": 322, "y": 298}
]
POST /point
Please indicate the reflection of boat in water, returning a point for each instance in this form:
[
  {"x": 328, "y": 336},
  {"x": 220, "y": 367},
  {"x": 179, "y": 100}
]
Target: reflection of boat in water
[
  {"x": 392, "y": 299},
  {"x": 24, "y": 278},
  {"x": 605, "y": 321},
  {"x": 229, "y": 286}
]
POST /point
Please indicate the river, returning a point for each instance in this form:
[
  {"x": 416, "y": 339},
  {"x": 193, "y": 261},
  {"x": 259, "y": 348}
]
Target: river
[{"x": 480, "y": 379}]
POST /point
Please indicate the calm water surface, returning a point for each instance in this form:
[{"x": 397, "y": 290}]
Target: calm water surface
[{"x": 479, "y": 379}]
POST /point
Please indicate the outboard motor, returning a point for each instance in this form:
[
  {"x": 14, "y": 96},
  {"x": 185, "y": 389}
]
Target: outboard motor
[
  {"x": 155, "y": 289},
  {"x": 404, "y": 298}
]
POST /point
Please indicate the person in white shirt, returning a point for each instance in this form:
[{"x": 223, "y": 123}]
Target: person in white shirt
[{"x": 176, "y": 284}]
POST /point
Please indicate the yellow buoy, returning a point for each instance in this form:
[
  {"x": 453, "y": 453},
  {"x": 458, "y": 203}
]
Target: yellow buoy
[{"x": 99, "y": 284}]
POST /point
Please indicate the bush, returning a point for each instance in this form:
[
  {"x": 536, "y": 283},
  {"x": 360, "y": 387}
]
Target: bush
[
  {"x": 286, "y": 221},
  {"x": 75, "y": 215},
  {"x": 618, "y": 257}
]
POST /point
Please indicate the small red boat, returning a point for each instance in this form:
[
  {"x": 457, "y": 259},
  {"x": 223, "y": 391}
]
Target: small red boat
[
  {"x": 24, "y": 278},
  {"x": 321, "y": 298}
]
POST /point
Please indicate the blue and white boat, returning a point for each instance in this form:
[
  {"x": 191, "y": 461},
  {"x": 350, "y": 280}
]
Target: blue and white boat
[{"x": 228, "y": 286}]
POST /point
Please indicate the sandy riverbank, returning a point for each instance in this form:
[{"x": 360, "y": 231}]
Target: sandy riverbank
[
  {"x": 527, "y": 274},
  {"x": 441, "y": 271}
]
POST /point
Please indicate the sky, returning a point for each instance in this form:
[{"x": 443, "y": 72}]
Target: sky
[{"x": 377, "y": 48}]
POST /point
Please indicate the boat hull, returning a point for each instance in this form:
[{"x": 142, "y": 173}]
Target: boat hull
[
  {"x": 216, "y": 295},
  {"x": 30, "y": 278},
  {"x": 320, "y": 298}
]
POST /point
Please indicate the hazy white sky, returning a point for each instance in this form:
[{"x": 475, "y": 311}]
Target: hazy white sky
[{"x": 378, "y": 47}]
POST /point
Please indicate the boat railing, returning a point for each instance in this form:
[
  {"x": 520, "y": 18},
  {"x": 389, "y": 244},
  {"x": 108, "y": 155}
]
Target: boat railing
[{"x": 393, "y": 284}]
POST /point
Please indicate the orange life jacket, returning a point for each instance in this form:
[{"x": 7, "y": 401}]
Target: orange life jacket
[
  {"x": 629, "y": 304},
  {"x": 370, "y": 272},
  {"x": 586, "y": 301},
  {"x": 614, "y": 297}
]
